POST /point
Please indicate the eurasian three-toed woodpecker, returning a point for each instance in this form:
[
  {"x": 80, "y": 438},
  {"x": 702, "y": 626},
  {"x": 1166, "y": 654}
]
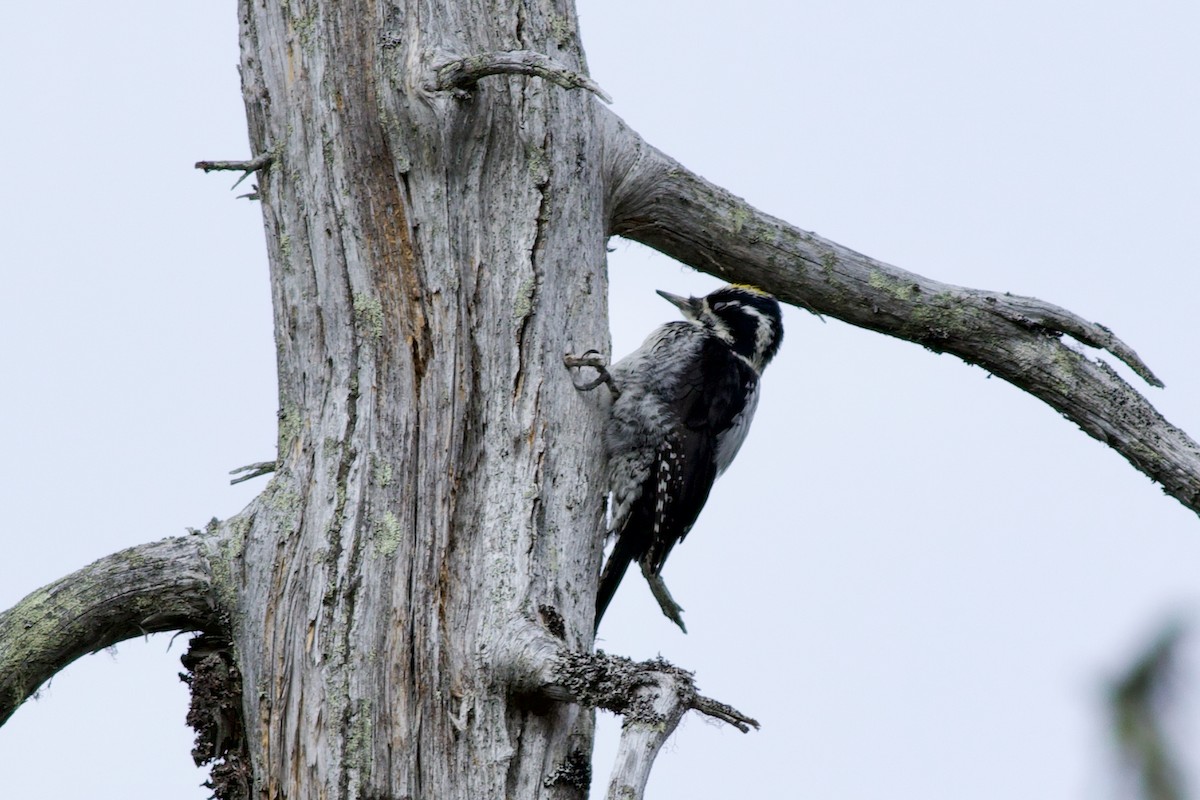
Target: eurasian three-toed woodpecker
[{"x": 682, "y": 404}]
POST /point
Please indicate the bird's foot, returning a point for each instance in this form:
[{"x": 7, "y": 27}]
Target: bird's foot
[
  {"x": 671, "y": 610},
  {"x": 593, "y": 359}
]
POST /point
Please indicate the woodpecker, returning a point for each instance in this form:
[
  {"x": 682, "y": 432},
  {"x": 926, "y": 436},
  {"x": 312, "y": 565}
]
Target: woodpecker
[{"x": 682, "y": 404}]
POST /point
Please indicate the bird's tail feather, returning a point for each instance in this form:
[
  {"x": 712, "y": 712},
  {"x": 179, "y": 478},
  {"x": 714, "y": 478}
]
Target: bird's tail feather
[{"x": 614, "y": 569}]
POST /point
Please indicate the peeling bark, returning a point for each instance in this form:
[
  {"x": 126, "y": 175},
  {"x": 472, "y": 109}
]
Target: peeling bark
[{"x": 215, "y": 713}]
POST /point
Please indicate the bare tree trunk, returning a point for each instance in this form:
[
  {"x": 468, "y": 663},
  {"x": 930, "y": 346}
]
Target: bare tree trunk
[{"x": 433, "y": 254}]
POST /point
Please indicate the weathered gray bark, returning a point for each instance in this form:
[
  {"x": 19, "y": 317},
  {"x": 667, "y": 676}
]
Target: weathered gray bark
[
  {"x": 433, "y": 252},
  {"x": 410, "y": 598},
  {"x": 167, "y": 585}
]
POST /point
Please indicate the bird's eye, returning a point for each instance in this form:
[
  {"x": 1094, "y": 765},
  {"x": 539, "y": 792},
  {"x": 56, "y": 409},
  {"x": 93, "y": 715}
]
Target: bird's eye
[{"x": 720, "y": 306}]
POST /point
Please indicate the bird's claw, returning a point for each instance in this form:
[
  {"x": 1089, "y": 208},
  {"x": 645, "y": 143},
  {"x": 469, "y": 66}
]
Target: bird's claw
[
  {"x": 593, "y": 359},
  {"x": 671, "y": 610}
]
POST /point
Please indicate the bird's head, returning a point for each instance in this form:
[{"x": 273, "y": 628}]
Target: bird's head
[{"x": 744, "y": 316}]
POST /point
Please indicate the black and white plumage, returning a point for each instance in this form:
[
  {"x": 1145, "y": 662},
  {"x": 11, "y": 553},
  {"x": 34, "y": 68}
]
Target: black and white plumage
[{"x": 682, "y": 406}]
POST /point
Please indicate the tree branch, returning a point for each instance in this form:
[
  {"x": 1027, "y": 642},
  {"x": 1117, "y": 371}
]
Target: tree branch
[
  {"x": 255, "y": 470},
  {"x": 652, "y": 696},
  {"x": 245, "y": 167},
  {"x": 253, "y": 165},
  {"x": 657, "y": 202},
  {"x": 155, "y": 587},
  {"x": 463, "y": 73}
]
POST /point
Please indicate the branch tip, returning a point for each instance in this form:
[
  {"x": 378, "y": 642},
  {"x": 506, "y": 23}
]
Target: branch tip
[
  {"x": 253, "y": 165},
  {"x": 652, "y": 696},
  {"x": 253, "y": 471},
  {"x": 725, "y": 713},
  {"x": 1038, "y": 315},
  {"x": 245, "y": 167}
]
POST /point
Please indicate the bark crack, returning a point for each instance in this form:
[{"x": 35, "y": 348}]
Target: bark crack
[
  {"x": 400, "y": 258},
  {"x": 342, "y": 614},
  {"x": 526, "y": 303}
]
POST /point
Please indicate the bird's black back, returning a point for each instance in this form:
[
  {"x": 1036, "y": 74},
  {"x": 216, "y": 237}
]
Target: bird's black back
[{"x": 703, "y": 400}]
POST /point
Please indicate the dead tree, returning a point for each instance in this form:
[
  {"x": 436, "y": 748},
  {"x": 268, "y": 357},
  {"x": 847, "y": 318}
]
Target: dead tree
[{"x": 405, "y": 611}]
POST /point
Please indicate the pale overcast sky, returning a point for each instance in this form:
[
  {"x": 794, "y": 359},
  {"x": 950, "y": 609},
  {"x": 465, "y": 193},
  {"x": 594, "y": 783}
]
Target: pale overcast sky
[{"x": 917, "y": 578}]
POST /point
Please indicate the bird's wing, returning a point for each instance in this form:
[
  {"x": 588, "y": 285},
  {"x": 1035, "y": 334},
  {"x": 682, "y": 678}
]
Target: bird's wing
[{"x": 712, "y": 393}]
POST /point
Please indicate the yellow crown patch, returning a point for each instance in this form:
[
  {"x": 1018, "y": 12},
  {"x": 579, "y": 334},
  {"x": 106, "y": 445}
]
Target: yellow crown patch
[{"x": 752, "y": 289}]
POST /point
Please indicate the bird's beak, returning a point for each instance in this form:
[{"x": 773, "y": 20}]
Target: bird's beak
[{"x": 690, "y": 306}]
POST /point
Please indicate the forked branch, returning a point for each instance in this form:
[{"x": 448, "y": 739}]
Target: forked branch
[
  {"x": 651, "y": 696},
  {"x": 160, "y": 586},
  {"x": 657, "y": 202},
  {"x": 251, "y": 471},
  {"x": 253, "y": 165},
  {"x": 247, "y": 168}
]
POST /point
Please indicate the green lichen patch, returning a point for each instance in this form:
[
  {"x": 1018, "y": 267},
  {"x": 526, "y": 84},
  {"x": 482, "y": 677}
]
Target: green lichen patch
[
  {"x": 368, "y": 315},
  {"x": 290, "y": 423},
  {"x": 134, "y": 558},
  {"x": 283, "y": 498},
  {"x": 899, "y": 289},
  {"x": 304, "y": 27},
  {"x": 285, "y": 250},
  {"x": 537, "y": 164},
  {"x": 829, "y": 263},
  {"x": 381, "y": 473},
  {"x": 387, "y": 535},
  {"x": 940, "y": 319},
  {"x": 599, "y": 680},
  {"x": 740, "y": 216},
  {"x": 224, "y": 565},
  {"x": 361, "y": 740},
  {"x": 562, "y": 30},
  {"x": 29, "y": 618},
  {"x": 523, "y": 302},
  {"x": 1067, "y": 364}
]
